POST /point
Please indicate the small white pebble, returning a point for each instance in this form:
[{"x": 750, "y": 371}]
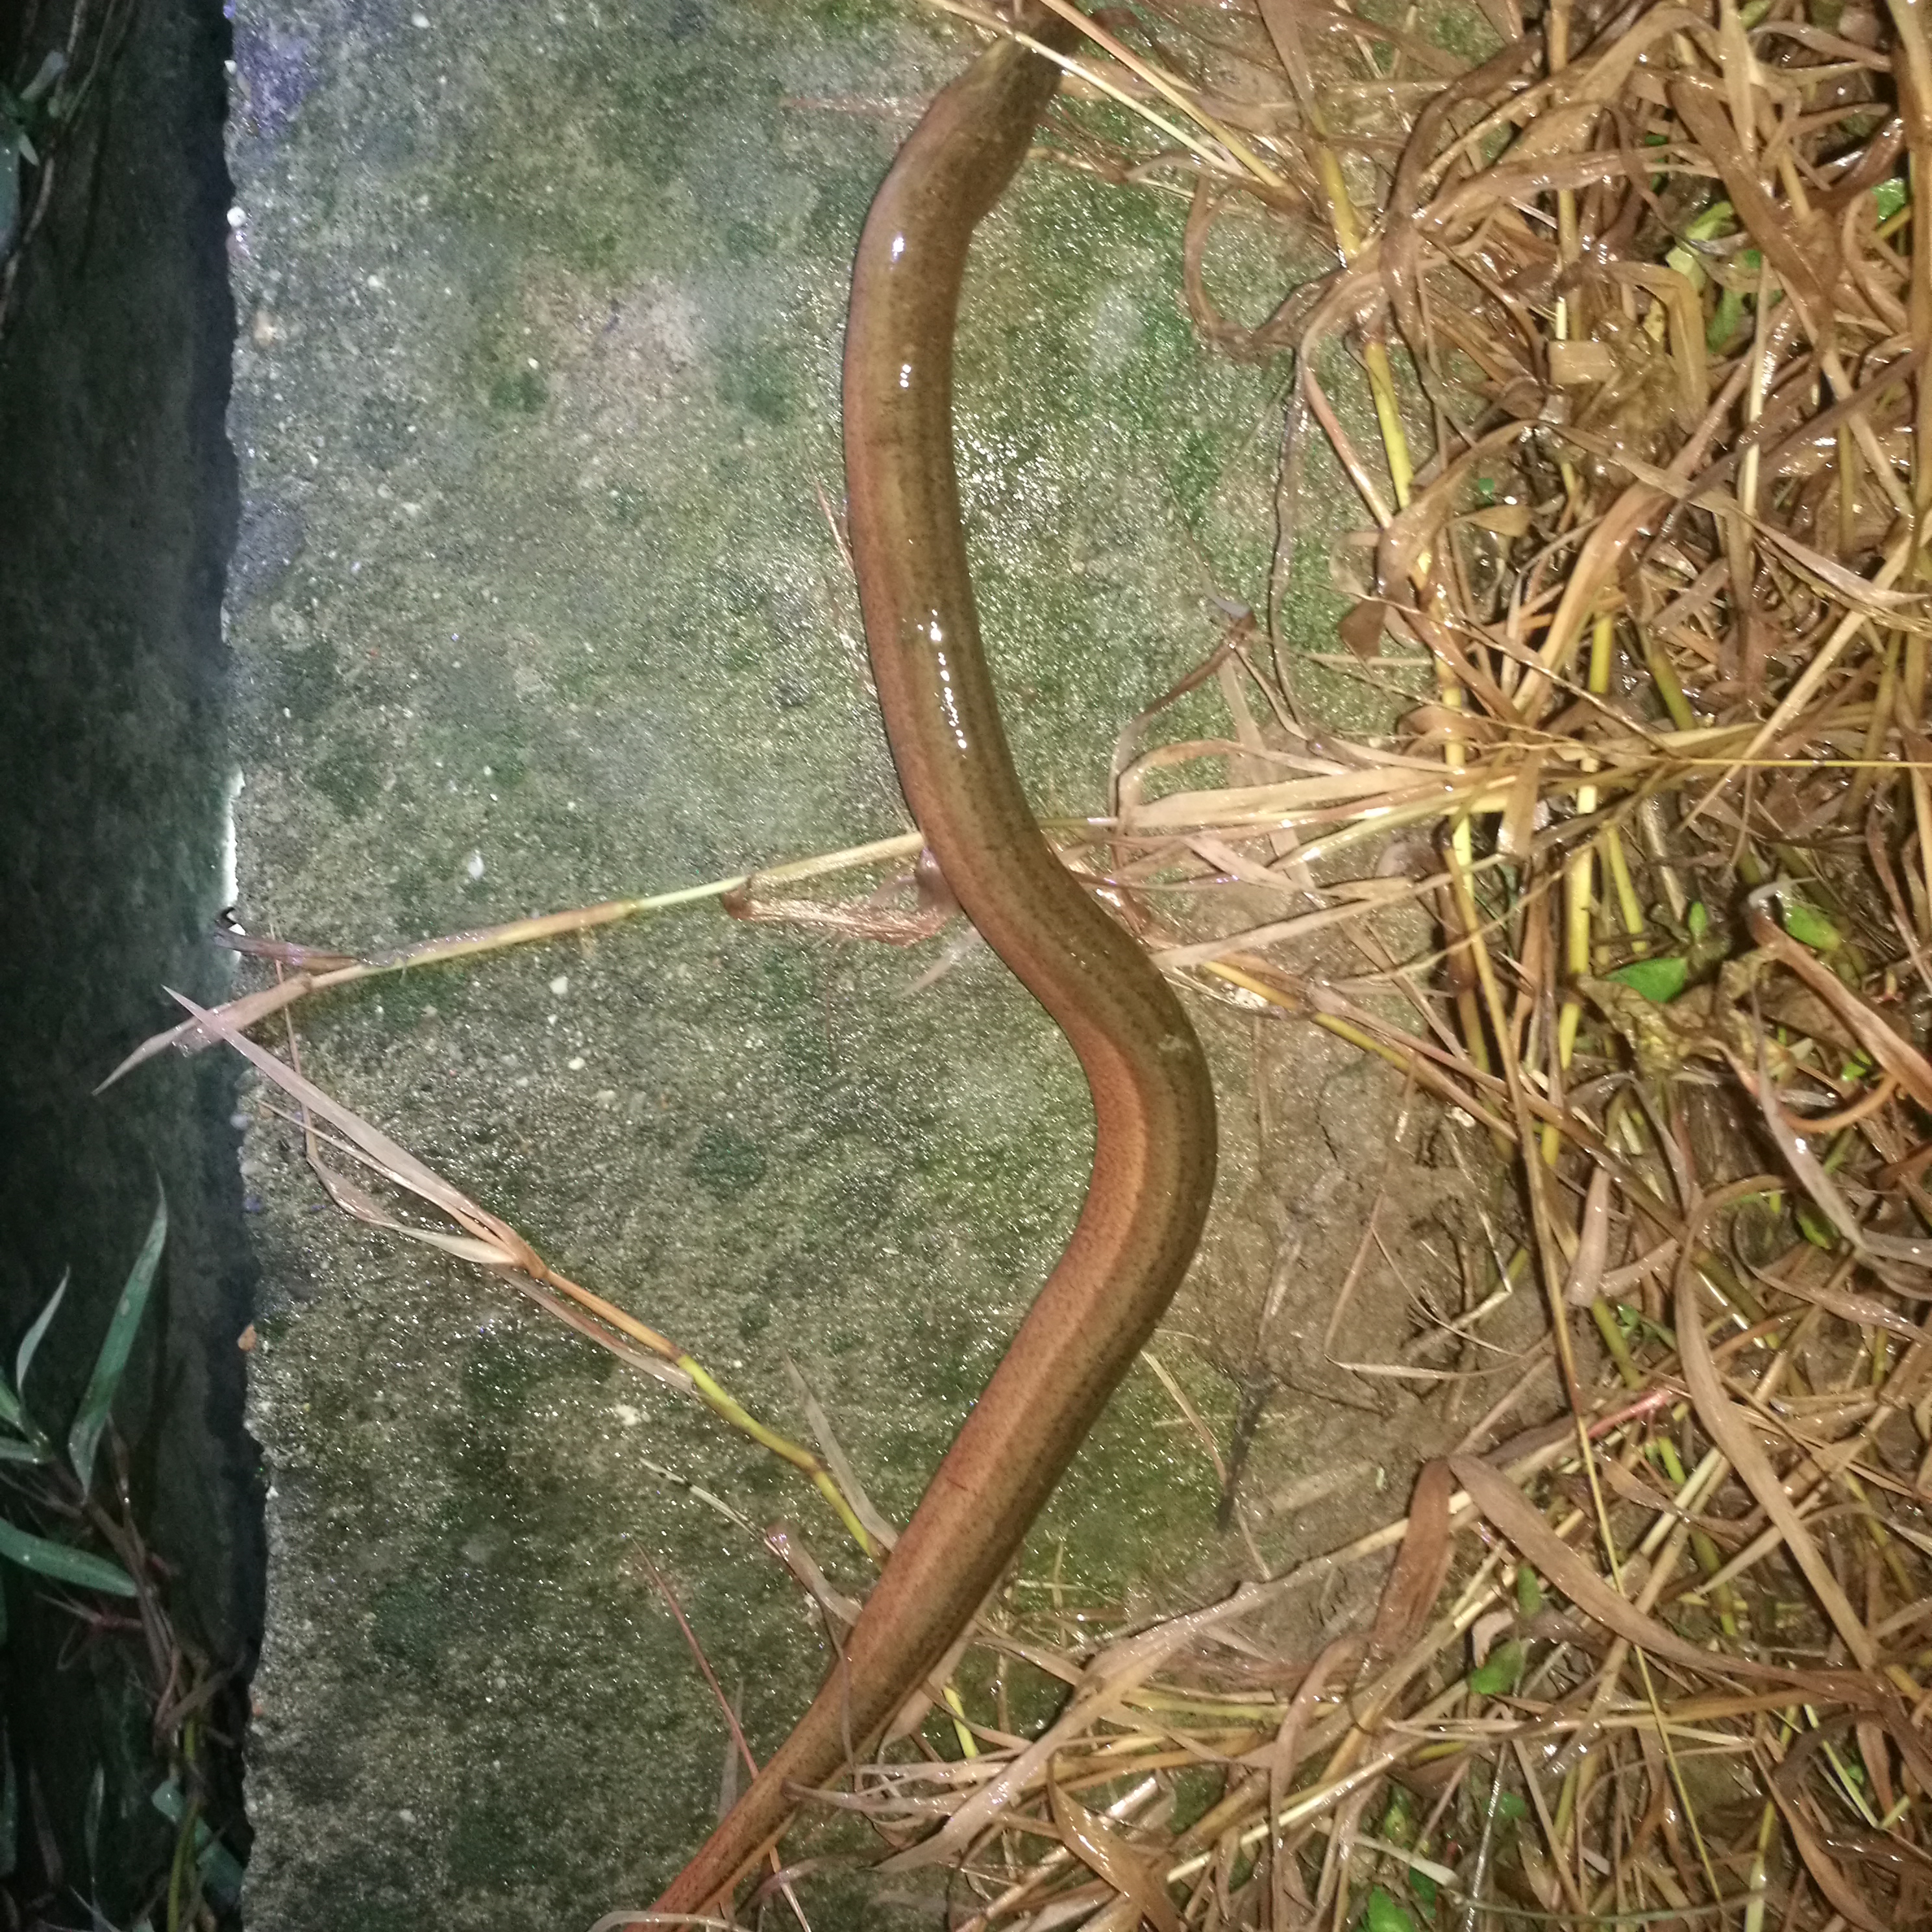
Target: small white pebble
[
  {"x": 473, "y": 865},
  {"x": 606, "y": 1097},
  {"x": 419, "y": 19},
  {"x": 575, "y": 1063},
  {"x": 560, "y": 984},
  {"x": 237, "y": 216},
  {"x": 373, "y": 282},
  {"x": 627, "y": 1417}
]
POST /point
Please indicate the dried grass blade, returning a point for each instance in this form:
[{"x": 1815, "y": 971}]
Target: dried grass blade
[
  {"x": 1585, "y": 1280},
  {"x": 1112, "y": 1676},
  {"x": 1825, "y": 1872},
  {"x": 1810, "y": 1171},
  {"x": 1517, "y": 834},
  {"x": 1421, "y": 1566},
  {"x": 836, "y": 1459},
  {"x": 1768, "y": 225},
  {"x": 1172, "y": 958},
  {"x": 1111, "y": 1857},
  {"x": 385, "y": 1155},
  {"x": 1242, "y": 805},
  {"x": 1865, "y": 1311},
  {"x": 1733, "y": 1436},
  {"x": 155, "y": 1043},
  {"x": 1512, "y": 1513}
]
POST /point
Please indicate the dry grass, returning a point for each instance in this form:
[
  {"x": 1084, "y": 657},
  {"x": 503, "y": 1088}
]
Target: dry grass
[
  {"x": 1637, "y": 308},
  {"x": 1645, "y": 287}
]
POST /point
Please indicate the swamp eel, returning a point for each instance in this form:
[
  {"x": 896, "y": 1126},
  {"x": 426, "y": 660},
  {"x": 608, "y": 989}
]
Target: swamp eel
[{"x": 1154, "y": 1146}]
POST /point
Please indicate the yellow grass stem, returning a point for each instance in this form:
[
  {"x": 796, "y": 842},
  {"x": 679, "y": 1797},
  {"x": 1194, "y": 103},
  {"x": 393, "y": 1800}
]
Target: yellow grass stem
[{"x": 740, "y": 1418}]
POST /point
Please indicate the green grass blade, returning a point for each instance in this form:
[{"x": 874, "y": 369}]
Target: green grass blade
[
  {"x": 220, "y": 1870},
  {"x": 64, "y": 1565},
  {"x": 12, "y": 1451},
  {"x": 31, "y": 1342},
  {"x": 10, "y": 1408},
  {"x": 84, "y": 1439}
]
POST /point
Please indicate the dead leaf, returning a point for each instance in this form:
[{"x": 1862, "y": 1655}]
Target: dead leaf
[
  {"x": 1421, "y": 1566},
  {"x": 1132, "y": 1873},
  {"x": 1512, "y": 1513},
  {"x": 1732, "y": 1435}
]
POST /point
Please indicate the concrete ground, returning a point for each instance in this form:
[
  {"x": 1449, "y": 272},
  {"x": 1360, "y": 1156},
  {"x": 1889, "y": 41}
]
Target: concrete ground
[{"x": 535, "y": 603}]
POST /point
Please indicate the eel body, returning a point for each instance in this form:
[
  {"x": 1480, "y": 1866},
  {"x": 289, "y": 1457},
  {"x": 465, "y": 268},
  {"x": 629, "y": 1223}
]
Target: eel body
[{"x": 1154, "y": 1149}]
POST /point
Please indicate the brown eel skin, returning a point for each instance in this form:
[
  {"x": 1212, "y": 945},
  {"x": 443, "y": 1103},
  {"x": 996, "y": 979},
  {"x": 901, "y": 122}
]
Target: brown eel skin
[{"x": 1154, "y": 1147}]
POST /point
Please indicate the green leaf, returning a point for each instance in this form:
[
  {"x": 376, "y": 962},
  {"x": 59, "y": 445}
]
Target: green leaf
[
  {"x": 84, "y": 1439},
  {"x": 1398, "y": 1824},
  {"x": 220, "y": 1870},
  {"x": 62, "y": 1563},
  {"x": 1528, "y": 1591},
  {"x": 1720, "y": 218},
  {"x": 1659, "y": 980},
  {"x": 10, "y": 1407},
  {"x": 97, "y": 1803},
  {"x": 1687, "y": 265},
  {"x": 1423, "y": 1886},
  {"x": 49, "y": 71},
  {"x": 1697, "y": 919},
  {"x": 1728, "y": 319},
  {"x": 1384, "y": 1915},
  {"x": 1513, "y": 1806},
  {"x": 11, "y": 141},
  {"x": 1890, "y": 197},
  {"x": 12, "y": 1450},
  {"x": 1502, "y": 1670},
  {"x": 31, "y": 1342},
  {"x": 1813, "y": 1226},
  {"x": 1809, "y": 926}
]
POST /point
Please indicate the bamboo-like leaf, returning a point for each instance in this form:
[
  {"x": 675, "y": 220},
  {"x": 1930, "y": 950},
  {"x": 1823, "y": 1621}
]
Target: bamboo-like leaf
[
  {"x": 30, "y": 1343},
  {"x": 63, "y": 1563},
  {"x": 111, "y": 1363}
]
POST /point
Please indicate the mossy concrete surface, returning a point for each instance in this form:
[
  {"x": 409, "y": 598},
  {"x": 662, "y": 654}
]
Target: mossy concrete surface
[{"x": 537, "y": 603}]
